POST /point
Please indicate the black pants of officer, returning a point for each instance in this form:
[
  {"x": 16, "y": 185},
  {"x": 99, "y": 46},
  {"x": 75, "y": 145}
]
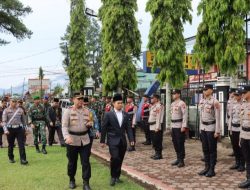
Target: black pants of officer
[
  {"x": 145, "y": 127},
  {"x": 18, "y": 134},
  {"x": 117, "y": 155},
  {"x": 245, "y": 147},
  {"x": 236, "y": 148},
  {"x": 52, "y": 130},
  {"x": 72, "y": 154},
  {"x": 1, "y": 136},
  {"x": 178, "y": 139},
  {"x": 157, "y": 138},
  {"x": 209, "y": 147}
]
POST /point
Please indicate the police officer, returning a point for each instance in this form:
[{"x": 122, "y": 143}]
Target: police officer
[
  {"x": 245, "y": 134},
  {"x": 76, "y": 122},
  {"x": 55, "y": 124},
  {"x": 230, "y": 103},
  {"x": 144, "y": 121},
  {"x": 131, "y": 109},
  {"x": 2, "y": 107},
  {"x": 14, "y": 127},
  {"x": 38, "y": 119},
  {"x": 155, "y": 121},
  {"x": 209, "y": 129},
  {"x": 234, "y": 128},
  {"x": 178, "y": 125}
]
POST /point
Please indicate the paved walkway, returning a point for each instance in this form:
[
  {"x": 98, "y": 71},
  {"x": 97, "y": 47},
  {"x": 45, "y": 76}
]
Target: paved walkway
[{"x": 162, "y": 175}]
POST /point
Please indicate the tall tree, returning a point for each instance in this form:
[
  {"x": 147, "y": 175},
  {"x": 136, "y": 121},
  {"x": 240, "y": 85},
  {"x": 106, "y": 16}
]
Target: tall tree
[
  {"x": 11, "y": 12},
  {"x": 41, "y": 76},
  {"x": 58, "y": 90},
  {"x": 94, "y": 51},
  {"x": 77, "y": 68},
  {"x": 221, "y": 36},
  {"x": 166, "y": 40},
  {"x": 121, "y": 42}
]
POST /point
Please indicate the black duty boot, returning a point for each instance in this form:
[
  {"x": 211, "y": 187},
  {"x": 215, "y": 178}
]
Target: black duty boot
[
  {"x": 44, "y": 150},
  {"x": 154, "y": 155},
  {"x": 205, "y": 170},
  {"x": 175, "y": 163},
  {"x": 245, "y": 184},
  {"x": 37, "y": 148},
  {"x": 158, "y": 156},
  {"x": 181, "y": 164},
  {"x": 12, "y": 161},
  {"x": 72, "y": 184},
  {"x": 241, "y": 168},
  {"x": 112, "y": 181},
  {"x": 132, "y": 148},
  {"x": 24, "y": 162},
  {"x": 210, "y": 172},
  {"x": 235, "y": 166},
  {"x": 86, "y": 185}
]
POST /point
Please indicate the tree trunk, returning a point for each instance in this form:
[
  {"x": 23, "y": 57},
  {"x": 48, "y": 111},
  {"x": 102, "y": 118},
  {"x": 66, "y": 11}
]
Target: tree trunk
[{"x": 168, "y": 105}]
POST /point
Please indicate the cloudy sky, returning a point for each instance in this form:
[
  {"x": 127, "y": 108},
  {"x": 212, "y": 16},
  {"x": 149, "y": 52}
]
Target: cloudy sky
[{"x": 20, "y": 60}]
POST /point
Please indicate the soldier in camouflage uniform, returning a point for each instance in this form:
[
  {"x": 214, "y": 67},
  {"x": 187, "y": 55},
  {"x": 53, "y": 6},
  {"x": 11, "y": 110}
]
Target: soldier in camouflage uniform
[{"x": 38, "y": 119}]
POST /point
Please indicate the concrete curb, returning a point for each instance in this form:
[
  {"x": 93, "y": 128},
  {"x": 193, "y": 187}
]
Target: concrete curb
[{"x": 157, "y": 184}]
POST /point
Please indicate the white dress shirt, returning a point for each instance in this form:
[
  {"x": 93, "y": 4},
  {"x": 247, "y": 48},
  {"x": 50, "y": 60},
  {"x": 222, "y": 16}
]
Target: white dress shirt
[{"x": 119, "y": 116}]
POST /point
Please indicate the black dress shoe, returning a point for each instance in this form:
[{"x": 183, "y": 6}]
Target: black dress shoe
[
  {"x": 175, "y": 163},
  {"x": 204, "y": 171},
  {"x": 24, "y": 162},
  {"x": 112, "y": 181},
  {"x": 244, "y": 184},
  {"x": 72, "y": 185},
  {"x": 117, "y": 180},
  {"x": 86, "y": 187},
  {"x": 12, "y": 161},
  {"x": 181, "y": 164},
  {"x": 210, "y": 173},
  {"x": 241, "y": 168},
  {"x": 130, "y": 149},
  {"x": 157, "y": 157},
  {"x": 153, "y": 156}
]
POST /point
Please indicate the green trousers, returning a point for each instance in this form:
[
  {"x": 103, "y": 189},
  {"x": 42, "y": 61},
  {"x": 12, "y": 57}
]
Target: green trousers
[{"x": 40, "y": 128}]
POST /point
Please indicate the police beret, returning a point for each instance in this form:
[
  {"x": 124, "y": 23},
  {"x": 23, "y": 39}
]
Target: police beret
[
  {"x": 176, "y": 91},
  {"x": 85, "y": 99},
  {"x": 117, "y": 97},
  {"x": 46, "y": 97},
  {"x": 245, "y": 88},
  {"x": 231, "y": 90},
  {"x": 56, "y": 99},
  {"x": 208, "y": 86},
  {"x": 36, "y": 98},
  {"x": 78, "y": 95}
]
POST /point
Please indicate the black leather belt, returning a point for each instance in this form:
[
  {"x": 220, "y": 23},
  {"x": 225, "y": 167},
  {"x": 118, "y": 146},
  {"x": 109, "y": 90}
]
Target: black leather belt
[
  {"x": 78, "y": 133},
  {"x": 177, "y": 120},
  {"x": 235, "y": 125},
  {"x": 246, "y": 129},
  {"x": 208, "y": 123},
  {"x": 152, "y": 123}
]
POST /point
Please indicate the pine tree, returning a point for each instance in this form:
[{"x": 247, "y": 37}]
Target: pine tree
[
  {"x": 10, "y": 21},
  {"x": 77, "y": 69},
  {"x": 166, "y": 40},
  {"x": 221, "y": 36},
  {"x": 121, "y": 42}
]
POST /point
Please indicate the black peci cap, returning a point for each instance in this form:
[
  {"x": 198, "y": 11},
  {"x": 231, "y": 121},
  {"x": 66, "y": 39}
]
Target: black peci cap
[
  {"x": 176, "y": 91},
  {"x": 117, "y": 97},
  {"x": 56, "y": 99},
  {"x": 208, "y": 86}
]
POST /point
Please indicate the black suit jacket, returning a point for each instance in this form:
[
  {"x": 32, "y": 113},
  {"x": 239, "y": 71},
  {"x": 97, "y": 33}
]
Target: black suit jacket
[{"x": 113, "y": 131}]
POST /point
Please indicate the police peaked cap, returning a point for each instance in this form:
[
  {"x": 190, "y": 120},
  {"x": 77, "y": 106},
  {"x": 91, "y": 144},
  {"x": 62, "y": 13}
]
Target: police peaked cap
[
  {"x": 208, "y": 86},
  {"x": 78, "y": 95},
  {"x": 117, "y": 97},
  {"x": 176, "y": 91}
]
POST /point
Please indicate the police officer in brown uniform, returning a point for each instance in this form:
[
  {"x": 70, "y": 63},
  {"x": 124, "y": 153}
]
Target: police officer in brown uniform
[
  {"x": 14, "y": 127},
  {"x": 209, "y": 129},
  {"x": 234, "y": 128},
  {"x": 155, "y": 124},
  {"x": 75, "y": 127},
  {"x": 144, "y": 120},
  {"x": 245, "y": 134},
  {"x": 2, "y": 107},
  {"x": 178, "y": 125}
]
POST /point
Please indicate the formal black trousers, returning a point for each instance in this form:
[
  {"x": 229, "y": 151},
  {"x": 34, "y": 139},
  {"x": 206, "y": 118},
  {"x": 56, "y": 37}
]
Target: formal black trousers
[
  {"x": 236, "y": 147},
  {"x": 18, "y": 134},
  {"x": 209, "y": 147},
  {"x": 145, "y": 127},
  {"x": 1, "y": 136},
  {"x": 157, "y": 138},
  {"x": 52, "y": 131},
  {"x": 178, "y": 139},
  {"x": 117, "y": 153},
  {"x": 245, "y": 147},
  {"x": 72, "y": 154}
]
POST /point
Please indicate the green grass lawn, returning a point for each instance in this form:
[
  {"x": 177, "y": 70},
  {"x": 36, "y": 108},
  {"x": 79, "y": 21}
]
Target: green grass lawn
[{"x": 48, "y": 172}]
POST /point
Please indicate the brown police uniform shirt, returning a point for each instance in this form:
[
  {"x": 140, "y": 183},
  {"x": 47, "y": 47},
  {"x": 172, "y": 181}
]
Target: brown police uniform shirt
[
  {"x": 245, "y": 121},
  {"x": 178, "y": 112}
]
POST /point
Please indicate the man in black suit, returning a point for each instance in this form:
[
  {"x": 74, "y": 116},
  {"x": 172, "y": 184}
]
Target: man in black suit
[{"x": 115, "y": 124}]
